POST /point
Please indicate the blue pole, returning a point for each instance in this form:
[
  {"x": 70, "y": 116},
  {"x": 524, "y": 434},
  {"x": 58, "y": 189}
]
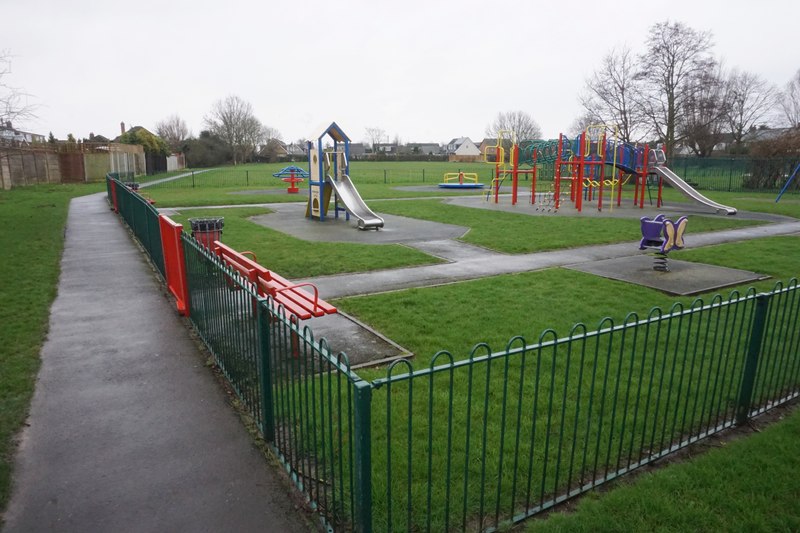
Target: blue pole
[{"x": 788, "y": 182}]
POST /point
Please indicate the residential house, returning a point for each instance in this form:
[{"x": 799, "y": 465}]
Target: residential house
[
  {"x": 9, "y": 134},
  {"x": 297, "y": 149},
  {"x": 386, "y": 148},
  {"x": 462, "y": 149},
  {"x": 423, "y": 148},
  {"x": 272, "y": 151},
  {"x": 358, "y": 150}
]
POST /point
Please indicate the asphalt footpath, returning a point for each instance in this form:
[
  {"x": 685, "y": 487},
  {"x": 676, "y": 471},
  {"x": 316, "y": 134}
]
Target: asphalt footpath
[{"x": 128, "y": 430}]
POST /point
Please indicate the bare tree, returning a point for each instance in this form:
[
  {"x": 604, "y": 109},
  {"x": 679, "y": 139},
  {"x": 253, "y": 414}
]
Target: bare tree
[
  {"x": 519, "y": 122},
  {"x": 790, "y": 101},
  {"x": 751, "y": 99},
  {"x": 582, "y": 122},
  {"x": 609, "y": 96},
  {"x": 705, "y": 110},
  {"x": 174, "y": 131},
  {"x": 232, "y": 119},
  {"x": 375, "y": 136},
  {"x": 676, "y": 54},
  {"x": 14, "y": 104}
]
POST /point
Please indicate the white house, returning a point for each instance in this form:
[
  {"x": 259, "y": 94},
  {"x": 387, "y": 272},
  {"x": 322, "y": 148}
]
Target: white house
[{"x": 463, "y": 149}]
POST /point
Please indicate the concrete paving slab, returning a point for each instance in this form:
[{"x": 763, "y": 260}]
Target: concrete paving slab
[
  {"x": 684, "y": 278},
  {"x": 290, "y": 219},
  {"x": 363, "y": 345},
  {"x": 268, "y": 191},
  {"x": 128, "y": 430}
]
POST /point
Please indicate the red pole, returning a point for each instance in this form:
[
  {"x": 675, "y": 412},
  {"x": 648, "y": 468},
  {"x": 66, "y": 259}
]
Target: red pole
[
  {"x": 515, "y": 174},
  {"x": 497, "y": 158},
  {"x": 581, "y": 171},
  {"x": 602, "y": 163},
  {"x": 533, "y": 177},
  {"x": 557, "y": 172}
]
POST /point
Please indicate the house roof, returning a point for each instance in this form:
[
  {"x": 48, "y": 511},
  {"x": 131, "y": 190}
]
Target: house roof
[
  {"x": 134, "y": 129},
  {"x": 765, "y": 134}
]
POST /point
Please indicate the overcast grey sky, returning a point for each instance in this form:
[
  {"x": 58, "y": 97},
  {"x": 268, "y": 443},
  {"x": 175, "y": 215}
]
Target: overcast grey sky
[{"x": 421, "y": 70}]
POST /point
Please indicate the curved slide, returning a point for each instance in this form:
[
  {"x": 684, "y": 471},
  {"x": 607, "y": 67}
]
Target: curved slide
[
  {"x": 689, "y": 191},
  {"x": 352, "y": 201}
]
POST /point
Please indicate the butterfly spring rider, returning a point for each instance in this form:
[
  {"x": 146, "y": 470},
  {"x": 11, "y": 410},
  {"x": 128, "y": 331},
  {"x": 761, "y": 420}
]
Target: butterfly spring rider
[{"x": 664, "y": 235}]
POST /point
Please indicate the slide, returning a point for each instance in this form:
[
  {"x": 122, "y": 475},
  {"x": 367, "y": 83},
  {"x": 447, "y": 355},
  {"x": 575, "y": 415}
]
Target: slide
[
  {"x": 689, "y": 191},
  {"x": 354, "y": 204}
]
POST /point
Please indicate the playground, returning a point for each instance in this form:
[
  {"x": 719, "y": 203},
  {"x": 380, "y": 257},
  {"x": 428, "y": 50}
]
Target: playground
[
  {"x": 438, "y": 294},
  {"x": 512, "y": 262}
]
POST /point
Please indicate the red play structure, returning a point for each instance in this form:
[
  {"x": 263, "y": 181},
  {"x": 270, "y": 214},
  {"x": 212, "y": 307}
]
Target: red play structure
[{"x": 587, "y": 167}]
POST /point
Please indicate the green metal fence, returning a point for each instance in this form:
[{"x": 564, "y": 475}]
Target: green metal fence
[
  {"x": 735, "y": 174},
  {"x": 142, "y": 218},
  {"x": 300, "y": 395},
  {"x": 479, "y": 442}
]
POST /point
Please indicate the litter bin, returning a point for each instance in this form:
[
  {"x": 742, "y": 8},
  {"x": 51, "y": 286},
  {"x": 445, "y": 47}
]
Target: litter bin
[{"x": 207, "y": 230}]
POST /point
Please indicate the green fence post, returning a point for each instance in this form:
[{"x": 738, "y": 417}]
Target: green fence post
[
  {"x": 265, "y": 371},
  {"x": 363, "y": 456},
  {"x": 751, "y": 363},
  {"x": 423, "y": 175},
  {"x": 384, "y": 176},
  {"x": 192, "y": 179},
  {"x": 730, "y": 176},
  {"x": 247, "y": 177}
]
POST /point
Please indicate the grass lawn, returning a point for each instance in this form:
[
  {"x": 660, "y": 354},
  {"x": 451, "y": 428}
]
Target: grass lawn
[
  {"x": 296, "y": 258},
  {"x": 519, "y": 233},
  {"x": 746, "y": 485},
  {"x": 32, "y": 238},
  {"x": 525, "y": 304},
  {"x": 493, "y": 310}
]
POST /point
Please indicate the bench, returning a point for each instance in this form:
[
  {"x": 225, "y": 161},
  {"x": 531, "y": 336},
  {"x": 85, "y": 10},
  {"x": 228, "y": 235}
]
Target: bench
[{"x": 292, "y": 296}]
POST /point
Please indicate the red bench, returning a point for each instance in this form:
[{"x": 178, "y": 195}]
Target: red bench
[{"x": 292, "y": 296}]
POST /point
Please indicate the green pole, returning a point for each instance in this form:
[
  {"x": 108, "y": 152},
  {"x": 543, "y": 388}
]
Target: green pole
[
  {"x": 192, "y": 179},
  {"x": 751, "y": 363},
  {"x": 730, "y": 175},
  {"x": 363, "y": 456},
  {"x": 423, "y": 175},
  {"x": 247, "y": 177},
  {"x": 384, "y": 176},
  {"x": 265, "y": 371}
]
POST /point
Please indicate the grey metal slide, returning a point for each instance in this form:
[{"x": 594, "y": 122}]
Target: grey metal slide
[
  {"x": 689, "y": 191},
  {"x": 352, "y": 201}
]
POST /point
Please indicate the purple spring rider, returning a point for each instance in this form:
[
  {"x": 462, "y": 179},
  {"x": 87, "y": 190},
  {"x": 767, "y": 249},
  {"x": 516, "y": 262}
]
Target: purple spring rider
[{"x": 663, "y": 235}]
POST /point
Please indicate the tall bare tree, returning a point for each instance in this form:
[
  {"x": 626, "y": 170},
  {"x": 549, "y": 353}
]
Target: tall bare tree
[
  {"x": 790, "y": 101},
  {"x": 519, "y": 122},
  {"x": 751, "y": 99},
  {"x": 582, "y": 122},
  {"x": 232, "y": 119},
  {"x": 174, "y": 131},
  {"x": 705, "y": 111},
  {"x": 14, "y": 104},
  {"x": 375, "y": 136},
  {"x": 676, "y": 54},
  {"x": 609, "y": 97}
]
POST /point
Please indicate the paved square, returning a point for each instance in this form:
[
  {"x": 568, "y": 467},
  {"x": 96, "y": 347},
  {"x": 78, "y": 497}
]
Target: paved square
[{"x": 684, "y": 278}]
